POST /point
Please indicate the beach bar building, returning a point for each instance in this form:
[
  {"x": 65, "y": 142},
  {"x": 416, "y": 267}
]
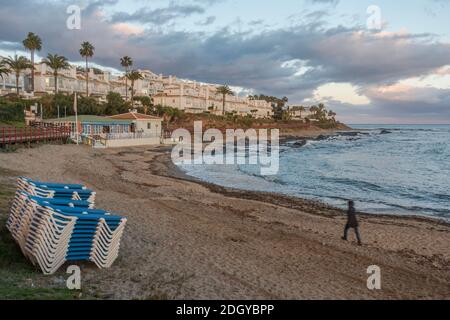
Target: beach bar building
[
  {"x": 123, "y": 130},
  {"x": 92, "y": 125}
]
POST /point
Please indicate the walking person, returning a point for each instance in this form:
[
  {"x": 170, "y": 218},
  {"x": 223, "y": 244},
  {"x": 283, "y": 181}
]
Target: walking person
[{"x": 352, "y": 223}]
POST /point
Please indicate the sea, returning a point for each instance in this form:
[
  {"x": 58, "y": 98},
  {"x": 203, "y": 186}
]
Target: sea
[{"x": 385, "y": 169}]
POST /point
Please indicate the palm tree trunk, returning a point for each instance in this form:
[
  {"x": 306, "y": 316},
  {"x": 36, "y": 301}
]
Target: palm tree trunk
[
  {"x": 132, "y": 94},
  {"x": 56, "y": 83},
  {"x": 32, "y": 71},
  {"x": 17, "y": 83},
  {"x": 223, "y": 107},
  {"x": 87, "y": 78},
  {"x": 126, "y": 85}
]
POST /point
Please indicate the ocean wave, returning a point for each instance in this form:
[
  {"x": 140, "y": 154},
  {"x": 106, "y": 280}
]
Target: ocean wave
[
  {"x": 272, "y": 179},
  {"x": 365, "y": 185},
  {"x": 419, "y": 210},
  {"x": 403, "y": 172}
]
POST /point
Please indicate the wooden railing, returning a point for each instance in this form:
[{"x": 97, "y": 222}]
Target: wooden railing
[{"x": 10, "y": 135}]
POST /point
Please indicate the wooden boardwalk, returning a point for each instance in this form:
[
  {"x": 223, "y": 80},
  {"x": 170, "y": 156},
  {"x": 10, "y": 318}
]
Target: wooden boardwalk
[{"x": 10, "y": 136}]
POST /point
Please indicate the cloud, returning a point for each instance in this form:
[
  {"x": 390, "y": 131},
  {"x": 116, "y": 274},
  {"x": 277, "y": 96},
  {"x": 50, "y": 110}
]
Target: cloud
[
  {"x": 327, "y": 2},
  {"x": 341, "y": 92},
  {"x": 208, "y": 21},
  {"x": 159, "y": 15},
  {"x": 127, "y": 29},
  {"x": 290, "y": 61}
]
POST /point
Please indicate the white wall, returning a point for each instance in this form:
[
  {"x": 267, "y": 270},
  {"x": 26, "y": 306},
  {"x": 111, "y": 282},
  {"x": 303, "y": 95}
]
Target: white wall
[
  {"x": 133, "y": 142},
  {"x": 155, "y": 127}
]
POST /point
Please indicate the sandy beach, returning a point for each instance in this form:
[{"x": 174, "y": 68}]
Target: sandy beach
[{"x": 191, "y": 240}]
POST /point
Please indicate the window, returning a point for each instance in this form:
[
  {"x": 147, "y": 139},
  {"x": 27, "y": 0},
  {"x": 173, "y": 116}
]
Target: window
[{"x": 149, "y": 125}]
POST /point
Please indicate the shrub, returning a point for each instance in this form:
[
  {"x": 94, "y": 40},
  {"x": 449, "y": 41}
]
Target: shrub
[{"x": 12, "y": 111}]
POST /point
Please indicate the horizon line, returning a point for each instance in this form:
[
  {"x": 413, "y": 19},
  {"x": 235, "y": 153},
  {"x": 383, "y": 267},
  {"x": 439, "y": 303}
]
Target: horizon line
[{"x": 402, "y": 124}]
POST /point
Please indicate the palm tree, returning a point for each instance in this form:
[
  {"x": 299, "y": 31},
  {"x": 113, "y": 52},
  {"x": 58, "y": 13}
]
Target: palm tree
[
  {"x": 321, "y": 112},
  {"x": 4, "y": 70},
  {"x": 299, "y": 109},
  {"x": 87, "y": 51},
  {"x": 32, "y": 43},
  {"x": 56, "y": 63},
  {"x": 133, "y": 76},
  {"x": 126, "y": 62},
  {"x": 17, "y": 65},
  {"x": 332, "y": 115},
  {"x": 224, "y": 91}
]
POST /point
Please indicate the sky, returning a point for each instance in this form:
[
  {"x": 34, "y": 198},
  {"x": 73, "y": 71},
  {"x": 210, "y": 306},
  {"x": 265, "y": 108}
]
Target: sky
[{"x": 373, "y": 61}]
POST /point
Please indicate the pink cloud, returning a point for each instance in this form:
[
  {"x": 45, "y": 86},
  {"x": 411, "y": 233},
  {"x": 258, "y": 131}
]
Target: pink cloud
[{"x": 127, "y": 29}]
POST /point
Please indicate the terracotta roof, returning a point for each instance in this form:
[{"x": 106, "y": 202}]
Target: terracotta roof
[{"x": 134, "y": 116}]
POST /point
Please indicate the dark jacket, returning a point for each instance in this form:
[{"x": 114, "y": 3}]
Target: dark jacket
[{"x": 352, "y": 222}]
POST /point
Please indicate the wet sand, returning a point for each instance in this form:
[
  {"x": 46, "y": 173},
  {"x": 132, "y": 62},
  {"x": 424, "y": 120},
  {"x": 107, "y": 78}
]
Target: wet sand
[{"x": 191, "y": 240}]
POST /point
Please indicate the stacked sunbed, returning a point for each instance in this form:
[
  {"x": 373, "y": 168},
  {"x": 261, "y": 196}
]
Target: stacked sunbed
[{"x": 55, "y": 223}]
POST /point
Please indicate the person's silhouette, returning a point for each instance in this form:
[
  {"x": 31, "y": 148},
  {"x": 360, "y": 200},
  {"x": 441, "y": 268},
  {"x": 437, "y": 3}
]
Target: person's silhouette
[{"x": 352, "y": 223}]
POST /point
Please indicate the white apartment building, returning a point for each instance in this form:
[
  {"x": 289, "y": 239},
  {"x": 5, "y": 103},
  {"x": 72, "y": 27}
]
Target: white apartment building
[
  {"x": 72, "y": 80},
  {"x": 299, "y": 114},
  {"x": 189, "y": 96},
  {"x": 150, "y": 85},
  {"x": 8, "y": 83},
  {"x": 193, "y": 97}
]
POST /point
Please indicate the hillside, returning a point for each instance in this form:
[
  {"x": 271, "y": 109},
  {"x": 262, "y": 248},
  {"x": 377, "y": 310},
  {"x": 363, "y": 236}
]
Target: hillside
[{"x": 286, "y": 127}]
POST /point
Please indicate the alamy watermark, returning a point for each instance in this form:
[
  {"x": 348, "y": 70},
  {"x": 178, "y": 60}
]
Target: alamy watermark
[
  {"x": 374, "y": 21},
  {"x": 74, "y": 280},
  {"x": 374, "y": 280},
  {"x": 237, "y": 146},
  {"x": 73, "y": 21}
]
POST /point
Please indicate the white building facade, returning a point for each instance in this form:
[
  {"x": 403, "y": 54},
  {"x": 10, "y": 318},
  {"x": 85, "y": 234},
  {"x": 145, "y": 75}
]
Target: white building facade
[
  {"x": 189, "y": 96},
  {"x": 194, "y": 97},
  {"x": 8, "y": 82}
]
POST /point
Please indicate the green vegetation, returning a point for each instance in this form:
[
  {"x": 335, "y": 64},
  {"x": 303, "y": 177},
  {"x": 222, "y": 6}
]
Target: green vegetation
[
  {"x": 322, "y": 118},
  {"x": 169, "y": 114},
  {"x": 224, "y": 91},
  {"x": 115, "y": 104},
  {"x": 325, "y": 119},
  {"x": 4, "y": 70},
  {"x": 274, "y": 100},
  {"x": 17, "y": 124},
  {"x": 86, "y": 105},
  {"x": 17, "y": 65},
  {"x": 12, "y": 111},
  {"x": 278, "y": 105},
  {"x": 126, "y": 62},
  {"x": 32, "y": 43},
  {"x": 87, "y": 51},
  {"x": 133, "y": 76},
  {"x": 57, "y": 63},
  {"x": 146, "y": 102}
]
